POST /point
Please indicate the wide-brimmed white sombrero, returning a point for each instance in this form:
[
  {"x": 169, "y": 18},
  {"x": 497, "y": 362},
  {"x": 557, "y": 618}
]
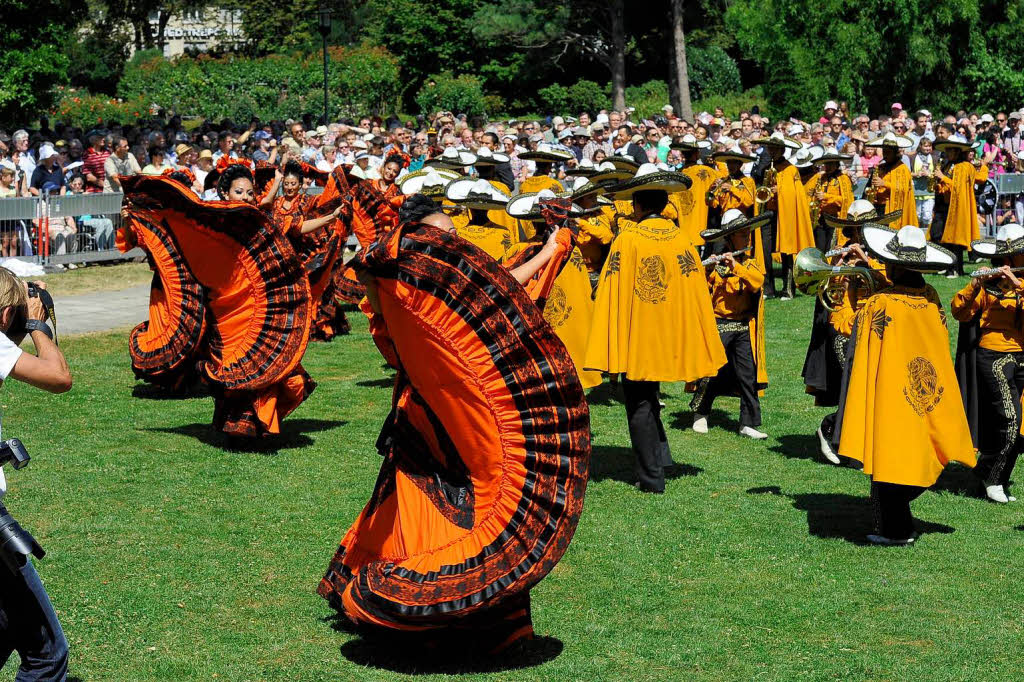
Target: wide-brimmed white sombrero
[
  {"x": 545, "y": 153},
  {"x": 526, "y": 206},
  {"x": 907, "y": 247},
  {"x": 475, "y": 193},
  {"x": 430, "y": 181},
  {"x": 860, "y": 213},
  {"x": 650, "y": 177},
  {"x": 735, "y": 220},
  {"x": 485, "y": 157},
  {"x": 891, "y": 139},
  {"x": 453, "y": 158},
  {"x": 1009, "y": 240}
]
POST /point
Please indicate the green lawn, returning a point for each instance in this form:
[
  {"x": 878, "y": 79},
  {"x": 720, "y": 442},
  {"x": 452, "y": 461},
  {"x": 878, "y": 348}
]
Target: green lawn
[
  {"x": 170, "y": 558},
  {"x": 97, "y": 277}
]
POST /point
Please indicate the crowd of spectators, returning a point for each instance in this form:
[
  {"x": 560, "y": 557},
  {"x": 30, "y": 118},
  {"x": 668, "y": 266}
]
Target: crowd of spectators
[{"x": 63, "y": 159}]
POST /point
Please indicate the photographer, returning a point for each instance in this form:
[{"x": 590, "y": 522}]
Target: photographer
[{"x": 28, "y": 622}]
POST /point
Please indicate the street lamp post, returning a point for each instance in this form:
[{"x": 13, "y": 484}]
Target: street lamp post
[{"x": 324, "y": 26}]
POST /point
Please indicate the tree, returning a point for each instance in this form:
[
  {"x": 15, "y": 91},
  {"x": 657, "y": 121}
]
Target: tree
[
  {"x": 593, "y": 29},
  {"x": 680, "y": 72},
  {"x": 32, "y": 63},
  {"x": 944, "y": 54}
]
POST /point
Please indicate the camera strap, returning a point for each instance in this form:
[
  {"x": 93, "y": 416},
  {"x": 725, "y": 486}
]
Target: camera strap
[{"x": 51, "y": 310}]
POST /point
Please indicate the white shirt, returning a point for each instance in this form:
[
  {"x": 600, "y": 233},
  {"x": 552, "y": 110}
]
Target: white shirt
[{"x": 9, "y": 354}]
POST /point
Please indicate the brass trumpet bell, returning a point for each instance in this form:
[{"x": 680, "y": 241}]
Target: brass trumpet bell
[{"x": 814, "y": 276}]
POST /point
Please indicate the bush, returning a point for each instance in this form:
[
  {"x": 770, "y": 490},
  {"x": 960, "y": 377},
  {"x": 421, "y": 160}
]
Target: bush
[
  {"x": 463, "y": 94},
  {"x": 712, "y": 72},
  {"x": 81, "y": 109},
  {"x": 361, "y": 80},
  {"x": 583, "y": 95},
  {"x": 733, "y": 104},
  {"x": 648, "y": 98}
]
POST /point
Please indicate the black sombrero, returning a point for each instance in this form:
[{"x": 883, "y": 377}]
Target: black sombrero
[
  {"x": 650, "y": 177},
  {"x": 735, "y": 220}
]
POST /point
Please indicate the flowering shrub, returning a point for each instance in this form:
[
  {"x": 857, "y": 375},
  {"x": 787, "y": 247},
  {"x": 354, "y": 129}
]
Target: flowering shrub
[
  {"x": 84, "y": 110},
  {"x": 360, "y": 80}
]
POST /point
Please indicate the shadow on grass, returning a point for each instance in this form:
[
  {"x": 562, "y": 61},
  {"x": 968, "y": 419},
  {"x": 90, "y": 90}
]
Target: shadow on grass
[
  {"x": 293, "y": 435},
  {"x": 616, "y": 463},
  {"x": 408, "y": 655},
  {"x": 386, "y": 382},
  {"x": 959, "y": 480},
  {"x": 151, "y": 392},
  {"x": 799, "y": 446},
  {"x": 718, "y": 419},
  {"x": 1020, "y": 528},
  {"x": 606, "y": 393},
  {"x": 840, "y": 516}
]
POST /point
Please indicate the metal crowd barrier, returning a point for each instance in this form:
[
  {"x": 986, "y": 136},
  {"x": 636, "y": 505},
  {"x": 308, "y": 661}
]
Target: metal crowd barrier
[{"x": 60, "y": 229}]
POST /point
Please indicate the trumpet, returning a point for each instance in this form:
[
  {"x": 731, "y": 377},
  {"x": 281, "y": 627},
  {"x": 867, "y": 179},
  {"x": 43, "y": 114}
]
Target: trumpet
[
  {"x": 719, "y": 257},
  {"x": 815, "y": 276},
  {"x": 720, "y": 185},
  {"x": 766, "y": 191},
  {"x": 933, "y": 182}
]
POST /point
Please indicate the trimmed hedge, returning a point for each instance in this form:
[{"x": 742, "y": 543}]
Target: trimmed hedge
[
  {"x": 361, "y": 80},
  {"x": 463, "y": 94}
]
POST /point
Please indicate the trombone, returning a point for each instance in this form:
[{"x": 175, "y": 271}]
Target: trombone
[{"x": 813, "y": 275}]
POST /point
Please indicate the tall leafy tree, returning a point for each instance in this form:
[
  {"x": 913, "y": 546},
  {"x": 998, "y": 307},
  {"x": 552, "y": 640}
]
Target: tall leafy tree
[
  {"x": 593, "y": 29},
  {"x": 32, "y": 62}
]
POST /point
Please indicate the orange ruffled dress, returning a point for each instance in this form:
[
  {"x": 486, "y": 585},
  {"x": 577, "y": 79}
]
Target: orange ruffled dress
[
  {"x": 486, "y": 450},
  {"x": 255, "y": 302}
]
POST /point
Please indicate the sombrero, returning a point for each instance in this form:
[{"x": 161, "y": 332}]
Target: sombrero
[
  {"x": 806, "y": 156},
  {"x": 892, "y": 140},
  {"x": 485, "y": 157},
  {"x": 583, "y": 187},
  {"x": 624, "y": 163},
  {"x": 475, "y": 193},
  {"x": 650, "y": 177},
  {"x": 584, "y": 169},
  {"x": 735, "y": 220},
  {"x": 606, "y": 172},
  {"x": 732, "y": 154},
  {"x": 777, "y": 139},
  {"x": 452, "y": 158},
  {"x": 545, "y": 153},
  {"x": 952, "y": 142},
  {"x": 526, "y": 206},
  {"x": 832, "y": 154},
  {"x": 907, "y": 247},
  {"x": 1009, "y": 240},
  {"x": 860, "y": 213},
  {"x": 429, "y": 181},
  {"x": 689, "y": 143}
]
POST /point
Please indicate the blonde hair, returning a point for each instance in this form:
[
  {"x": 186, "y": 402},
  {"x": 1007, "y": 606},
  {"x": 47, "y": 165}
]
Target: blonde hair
[{"x": 12, "y": 291}]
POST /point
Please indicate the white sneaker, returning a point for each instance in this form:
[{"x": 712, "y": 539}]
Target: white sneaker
[
  {"x": 826, "y": 448},
  {"x": 996, "y": 494},
  {"x": 786, "y": 297},
  {"x": 751, "y": 432},
  {"x": 889, "y": 542},
  {"x": 1011, "y": 498},
  {"x": 951, "y": 275},
  {"x": 700, "y": 423}
]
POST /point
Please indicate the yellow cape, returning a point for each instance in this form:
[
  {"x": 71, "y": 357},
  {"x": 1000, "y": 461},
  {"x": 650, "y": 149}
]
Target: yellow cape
[
  {"x": 902, "y": 415},
  {"x": 569, "y": 308},
  {"x": 494, "y": 239},
  {"x": 652, "y": 317},
  {"x": 899, "y": 195},
  {"x": 690, "y": 206},
  {"x": 962, "y": 219},
  {"x": 793, "y": 230},
  {"x": 536, "y": 183}
]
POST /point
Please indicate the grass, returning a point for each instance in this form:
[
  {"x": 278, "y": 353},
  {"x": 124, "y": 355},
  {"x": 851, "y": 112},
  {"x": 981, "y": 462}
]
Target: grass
[
  {"x": 170, "y": 558},
  {"x": 87, "y": 280}
]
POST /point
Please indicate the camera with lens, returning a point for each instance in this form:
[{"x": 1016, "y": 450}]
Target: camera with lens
[
  {"x": 22, "y": 325},
  {"x": 16, "y": 543}
]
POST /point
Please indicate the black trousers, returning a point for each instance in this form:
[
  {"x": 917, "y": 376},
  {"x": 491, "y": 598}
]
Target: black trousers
[
  {"x": 1000, "y": 386},
  {"x": 646, "y": 433},
  {"x": 823, "y": 237},
  {"x": 788, "y": 284},
  {"x": 891, "y": 504},
  {"x": 739, "y": 374},
  {"x": 936, "y": 230},
  {"x": 767, "y": 247}
]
